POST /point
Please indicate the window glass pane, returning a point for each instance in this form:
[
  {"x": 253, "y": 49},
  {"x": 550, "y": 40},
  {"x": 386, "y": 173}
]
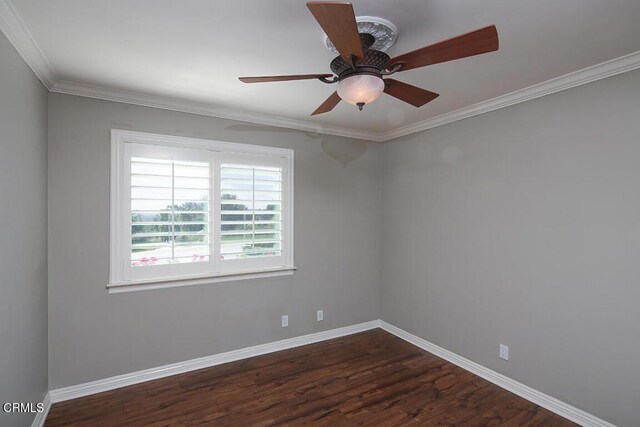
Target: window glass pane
[
  {"x": 170, "y": 212},
  {"x": 251, "y": 211}
]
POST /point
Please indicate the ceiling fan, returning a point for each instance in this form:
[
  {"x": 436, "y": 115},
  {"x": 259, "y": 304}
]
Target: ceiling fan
[{"x": 360, "y": 71}]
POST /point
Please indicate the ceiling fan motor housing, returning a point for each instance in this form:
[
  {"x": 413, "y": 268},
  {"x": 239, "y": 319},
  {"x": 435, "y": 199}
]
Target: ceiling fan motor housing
[{"x": 374, "y": 63}]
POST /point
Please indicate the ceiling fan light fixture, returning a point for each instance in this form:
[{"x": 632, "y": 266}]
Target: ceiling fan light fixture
[
  {"x": 362, "y": 62},
  {"x": 360, "y": 89}
]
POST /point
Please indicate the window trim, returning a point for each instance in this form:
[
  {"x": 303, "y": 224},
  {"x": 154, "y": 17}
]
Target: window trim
[{"x": 119, "y": 234}]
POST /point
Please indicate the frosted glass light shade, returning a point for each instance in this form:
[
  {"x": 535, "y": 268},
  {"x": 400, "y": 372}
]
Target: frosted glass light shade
[{"x": 363, "y": 88}]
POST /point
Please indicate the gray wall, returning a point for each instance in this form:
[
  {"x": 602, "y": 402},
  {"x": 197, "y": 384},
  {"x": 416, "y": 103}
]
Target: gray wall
[
  {"x": 522, "y": 227},
  {"x": 94, "y": 335},
  {"x": 23, "y": 243}
]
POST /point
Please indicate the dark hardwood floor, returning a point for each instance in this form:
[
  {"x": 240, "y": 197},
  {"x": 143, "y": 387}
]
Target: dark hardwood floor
[{"x": 371, "y": 378}]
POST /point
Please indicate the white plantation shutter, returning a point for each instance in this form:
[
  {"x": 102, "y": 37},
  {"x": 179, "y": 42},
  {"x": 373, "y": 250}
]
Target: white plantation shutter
[
  {"x": 170, "y": 209},
  {"x": 251, "y": 211},
  {"x": 187, "y": 209}
]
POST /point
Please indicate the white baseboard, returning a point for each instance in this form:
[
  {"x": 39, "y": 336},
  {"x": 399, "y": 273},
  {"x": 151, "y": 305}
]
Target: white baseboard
[
  {"x": 111, "y": 383},
  {"x": 551, "y": 403},
  {"x": 38, "y": 421},
  {"x": 561, "y": 408}
]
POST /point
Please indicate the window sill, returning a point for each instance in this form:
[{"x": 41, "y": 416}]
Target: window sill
[{"x": 146, "y": 285}]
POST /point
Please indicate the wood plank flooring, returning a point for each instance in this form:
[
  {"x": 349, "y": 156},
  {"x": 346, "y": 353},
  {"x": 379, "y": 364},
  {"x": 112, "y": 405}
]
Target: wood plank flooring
[{"x": 372, "y": 378}]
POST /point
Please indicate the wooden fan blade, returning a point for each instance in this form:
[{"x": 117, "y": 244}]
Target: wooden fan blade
[
  {"x": 264, "y": 79},
  {"x": 474, "y": 43},
  {"x": 328, "y": 104},
  {"x": 339, "y": 24},
  {"x": 410, "y": 94}
]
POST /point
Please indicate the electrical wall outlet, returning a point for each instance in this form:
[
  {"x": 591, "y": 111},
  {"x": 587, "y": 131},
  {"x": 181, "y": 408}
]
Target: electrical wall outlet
[
  {"x": 504, "y": 352},
  {"x": 285, "y": 321},
  {"x": 320, "y": 315}
]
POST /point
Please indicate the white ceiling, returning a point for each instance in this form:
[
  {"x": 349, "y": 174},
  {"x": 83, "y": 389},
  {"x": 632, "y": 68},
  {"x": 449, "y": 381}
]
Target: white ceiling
[{"x": 195, "y": 49}]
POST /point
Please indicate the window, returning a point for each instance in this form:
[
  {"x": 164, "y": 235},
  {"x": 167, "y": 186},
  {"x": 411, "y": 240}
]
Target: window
[{"x": 188, "y": 211}]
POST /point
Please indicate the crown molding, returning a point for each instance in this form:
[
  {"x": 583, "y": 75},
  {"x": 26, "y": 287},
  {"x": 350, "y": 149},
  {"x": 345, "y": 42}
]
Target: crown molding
[
  {"x": 590, "y": 74},
  {"x": 166, "y": 103},
  {"x": 19, "y": 36}
]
